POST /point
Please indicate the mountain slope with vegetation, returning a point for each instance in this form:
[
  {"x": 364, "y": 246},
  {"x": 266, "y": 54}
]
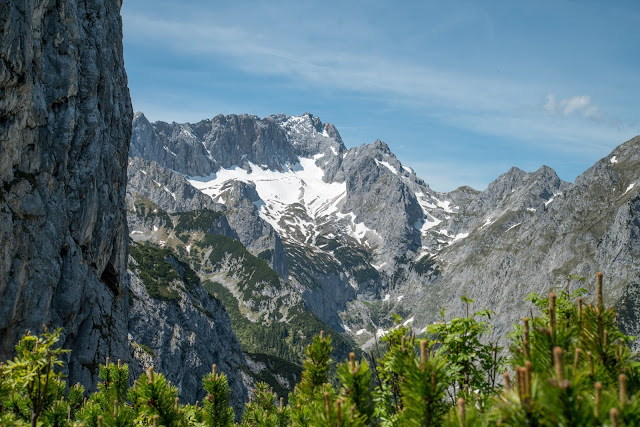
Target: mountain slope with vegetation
[{"x": 198, "y": 247}]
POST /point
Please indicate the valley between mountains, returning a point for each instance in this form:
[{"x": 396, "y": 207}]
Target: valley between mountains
[{"x": 276, "y": 223}]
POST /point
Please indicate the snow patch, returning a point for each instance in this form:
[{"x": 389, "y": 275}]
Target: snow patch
[
  {"x": 514, "y": 226},
  {"x": 361, "y": 331},
  {"x": 460, "y": 236},
  {"x": 357, "y": 229},
  {"x": 400, "y": 298},
  {"x": 629, "y": 188},
  {"x": 387, "y": 165},
  {"x": 551, "y": 199},
  {"x": 614, "y": 160},
  {"x": 428, "y": 222},
  {"x": 345, "y": 327},
  {"x": 531, "y": 209},
  {"x": 169, "y": 151},
  {"x": 386, "y": 297},
  {"x": 447, "y": 206},
  {"x": 422, "y": 201},
  {"x": 406, "y": 322},
  {"x": 300, "y": 184},
  {"x": 378, "y": 267},
  {"x": 170, "y": 192},
  {"x": 187, "y": 132},
  {"x": 426, "y": 202}
]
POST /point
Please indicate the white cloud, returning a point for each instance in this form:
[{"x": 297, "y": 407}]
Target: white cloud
[
  {"x": 592, "y": 112},
  {"x": 333, "y": 66},
  {"x": 574, "y": 104},
  {"x": 580, "y": 104}
]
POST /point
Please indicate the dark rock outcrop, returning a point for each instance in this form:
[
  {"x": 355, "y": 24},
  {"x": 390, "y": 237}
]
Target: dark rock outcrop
[{"x": 65, "y": 128}]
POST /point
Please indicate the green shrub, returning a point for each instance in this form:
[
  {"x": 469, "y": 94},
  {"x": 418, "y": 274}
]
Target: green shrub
[
  {"x": 572, "y": 365},
  {"x": 160, "y": 270},
  {"x": 200, "y": 220}
]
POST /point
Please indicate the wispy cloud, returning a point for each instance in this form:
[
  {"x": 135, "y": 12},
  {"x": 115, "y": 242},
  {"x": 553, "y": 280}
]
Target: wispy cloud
[
  {"x": 581, "y": 104},
  {"x": 418, "y": 84},
  {"x": 485, "y": 103}
]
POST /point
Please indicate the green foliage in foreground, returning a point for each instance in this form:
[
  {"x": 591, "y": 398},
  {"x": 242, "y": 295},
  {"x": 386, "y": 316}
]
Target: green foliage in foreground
[{"x": 569, "y": 366}]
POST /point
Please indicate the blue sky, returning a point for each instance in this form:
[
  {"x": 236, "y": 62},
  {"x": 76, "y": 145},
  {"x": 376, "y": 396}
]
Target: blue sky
[{"x": 461, "y": 91}]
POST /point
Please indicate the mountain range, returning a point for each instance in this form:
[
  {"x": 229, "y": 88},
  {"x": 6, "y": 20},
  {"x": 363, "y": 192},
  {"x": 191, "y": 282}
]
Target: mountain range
[
  {"x": 356, "y": 236},
  {"x": 234, "y": 240}
]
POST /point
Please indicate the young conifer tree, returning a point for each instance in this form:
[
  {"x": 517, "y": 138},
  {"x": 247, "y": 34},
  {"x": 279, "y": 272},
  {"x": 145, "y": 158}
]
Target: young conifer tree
[
  {"x": 308, "y": 397},
  {"x": 355, "y": 387},
  {"x": 423, "y": 391},
  {"x": 156, "y": 401},
  {"x": 31, "y": 377},
  {"x": 109, "y": 405},
  {"x": 262, "y": 409},
  {"x": 572, "y": 366},
  {"x": 217, "y": 412}
]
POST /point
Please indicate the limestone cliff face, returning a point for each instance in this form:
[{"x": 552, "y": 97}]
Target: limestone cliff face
[
  {"x": 65, "y": 127},
  {"x": 184, "y": 334}
]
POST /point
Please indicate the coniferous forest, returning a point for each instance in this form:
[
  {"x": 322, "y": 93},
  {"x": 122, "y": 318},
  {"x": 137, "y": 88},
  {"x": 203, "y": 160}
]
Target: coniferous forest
[{"x": 567, "y": 365}]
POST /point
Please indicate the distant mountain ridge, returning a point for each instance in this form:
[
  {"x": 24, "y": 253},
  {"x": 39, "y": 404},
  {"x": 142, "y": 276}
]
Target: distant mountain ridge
[{"x": 362, "y": 236}]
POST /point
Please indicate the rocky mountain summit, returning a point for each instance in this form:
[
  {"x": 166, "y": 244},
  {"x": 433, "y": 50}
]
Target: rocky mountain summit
[
  {"x": 364, "y": 237},
  {"x": 538, "y": 235}
]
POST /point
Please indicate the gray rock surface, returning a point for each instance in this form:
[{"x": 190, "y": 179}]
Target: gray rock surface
[
  {"x": 65, "y": 129},
  {"x": 170, "y": 190},
  {"x": 184, "y": 338},
  {"x": 202, "y": 148},
  {"x": 253, "y": 232},
  {"x": 375, "y": 197},
  {"x": 535, "y": 231},
  {"x": 381, "y": 199}
]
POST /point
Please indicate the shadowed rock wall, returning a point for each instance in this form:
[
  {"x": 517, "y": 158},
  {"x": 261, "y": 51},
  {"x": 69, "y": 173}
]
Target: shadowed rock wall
[{"x": 65, "y": 127}]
